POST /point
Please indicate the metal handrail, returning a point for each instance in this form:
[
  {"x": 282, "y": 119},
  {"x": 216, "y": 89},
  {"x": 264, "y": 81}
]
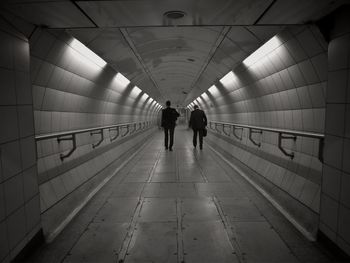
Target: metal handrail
[
  {"x": 71, "y": 135},
  {"x": 291, "y": 135}
]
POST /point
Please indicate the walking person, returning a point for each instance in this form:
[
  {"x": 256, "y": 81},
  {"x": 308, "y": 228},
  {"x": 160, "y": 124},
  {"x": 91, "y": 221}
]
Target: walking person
[
  {"x": 198, "y": 122},
  {"x": 169, "y": 117}
]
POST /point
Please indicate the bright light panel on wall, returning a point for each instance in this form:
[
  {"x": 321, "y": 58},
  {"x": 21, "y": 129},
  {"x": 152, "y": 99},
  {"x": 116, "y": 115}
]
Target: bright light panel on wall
[
  {"x": 205, "y": 96},
  {"x": 136, "y": 91},
  {"x": 88, "y": 53},
  {"x": 228, "y": 79},
  {"x": 122, "y": 79},
  {"x": 262, "y": 51}
]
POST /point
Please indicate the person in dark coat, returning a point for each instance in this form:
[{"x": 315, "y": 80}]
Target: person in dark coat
[
  {"x": 198, "y": 122},
  {"x": 169, "y": 117}
]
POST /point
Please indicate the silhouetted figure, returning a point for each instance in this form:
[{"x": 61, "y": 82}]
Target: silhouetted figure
[
  {"x": 198, "y": 122},
  {"x": 169, "y": 117}
]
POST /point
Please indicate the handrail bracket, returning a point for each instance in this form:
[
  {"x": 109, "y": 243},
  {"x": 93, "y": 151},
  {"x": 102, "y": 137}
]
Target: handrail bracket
[
  {"x": 100, "y": 132},
  {"x": 127, "y": 130},
  {"x": 224, "y": 131},
  {"x": 72, "y": 138},
  {"x": 234, "y": 128},
  {"x": 116, "y": 135},
  {"x": 251, "y": 131},
  {"x": 286, "y": 137}
]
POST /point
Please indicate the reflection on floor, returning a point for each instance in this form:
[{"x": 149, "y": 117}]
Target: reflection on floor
[{"x": 180, "y": 206}]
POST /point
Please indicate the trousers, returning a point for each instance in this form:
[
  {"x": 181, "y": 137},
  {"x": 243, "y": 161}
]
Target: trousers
[
  {"x": 200, "y": 133},
  {"x": 169, "y": 132}
]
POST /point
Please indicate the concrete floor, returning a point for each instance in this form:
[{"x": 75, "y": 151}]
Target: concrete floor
[{"x": 180, "y": 206}]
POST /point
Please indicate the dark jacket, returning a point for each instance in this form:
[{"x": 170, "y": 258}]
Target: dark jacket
[
  {"x": 169, "y": 117},
  {"x": 198, "y": 120}
]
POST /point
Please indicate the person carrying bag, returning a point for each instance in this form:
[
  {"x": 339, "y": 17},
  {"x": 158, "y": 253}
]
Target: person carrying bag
[{"x": 198, "y": 122}]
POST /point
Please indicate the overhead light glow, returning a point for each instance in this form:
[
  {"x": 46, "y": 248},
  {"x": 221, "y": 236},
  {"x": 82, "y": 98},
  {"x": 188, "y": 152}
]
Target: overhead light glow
[
  {"x": 228, "y": 79},
  {"x": 88, "y": 53},
  {"x": 122, "y": 80},
  {"x": 213, "y": 90},
  {"x": 205, "y": 96},
  {"x": 136, "y": 91},
  {"x": 262, "y": 51}
]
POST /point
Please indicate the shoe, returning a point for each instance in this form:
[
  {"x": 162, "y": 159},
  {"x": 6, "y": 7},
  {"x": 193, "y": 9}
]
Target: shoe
[
  {"x": 170, "y": 149},
  {"x": 166, "y": 148},
  {"x": 201, "y": 147},
  {"x": 194, "y": 146}
]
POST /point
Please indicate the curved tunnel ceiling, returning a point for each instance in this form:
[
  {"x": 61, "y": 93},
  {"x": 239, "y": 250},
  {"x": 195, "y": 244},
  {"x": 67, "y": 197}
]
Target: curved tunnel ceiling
[{"x": 171, "y": 59}]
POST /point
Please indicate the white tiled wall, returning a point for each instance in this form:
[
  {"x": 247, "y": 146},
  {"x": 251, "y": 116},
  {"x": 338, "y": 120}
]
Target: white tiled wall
[
  {"x": 335, "y": 201},
  {"x": 70, "y": 93},
  {"x": 285, "y": 89},
  {"x": 19, "y": 194}
]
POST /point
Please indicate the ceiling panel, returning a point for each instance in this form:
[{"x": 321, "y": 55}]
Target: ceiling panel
[
  {"x": 150, "y": 13},
  {"x": 59, "y": 14},
  {"x": 288, "y": 12}
]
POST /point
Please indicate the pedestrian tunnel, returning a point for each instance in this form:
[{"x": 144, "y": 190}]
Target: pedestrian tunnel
[{"x": 85, "y": 176}]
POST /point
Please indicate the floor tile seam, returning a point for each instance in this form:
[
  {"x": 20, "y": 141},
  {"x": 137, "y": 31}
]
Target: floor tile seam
[
  {"x": 230, "y": 232},
  {"x": 103, "y": 203}
]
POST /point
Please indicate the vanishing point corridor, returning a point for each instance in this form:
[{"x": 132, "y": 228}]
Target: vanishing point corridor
[{"x": 182, "y": 206}]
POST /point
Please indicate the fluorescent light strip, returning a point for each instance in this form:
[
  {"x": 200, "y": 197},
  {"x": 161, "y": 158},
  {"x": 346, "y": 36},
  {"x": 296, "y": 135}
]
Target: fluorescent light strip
[
  {"x": 262, "y": 51},
  {"x": 88, "y": 53},
  {"x": 122, "y": 79},
  {"x": 228, "y": 79}
]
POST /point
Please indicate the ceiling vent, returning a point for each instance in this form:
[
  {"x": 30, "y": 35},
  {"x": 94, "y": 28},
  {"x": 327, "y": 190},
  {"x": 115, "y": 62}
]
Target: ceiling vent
[{"x": 174, "y": 14}]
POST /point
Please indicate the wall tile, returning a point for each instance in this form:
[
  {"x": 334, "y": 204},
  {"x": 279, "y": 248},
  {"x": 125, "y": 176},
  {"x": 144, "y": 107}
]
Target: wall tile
[
  {"x": 16, "y": 224},
  {"x": 25, "y": 120},
  {"x": 318, "y": 99},
  {"x": 296, "y": 76},
  {"x": 11, "y": 159},
  {"x": 346, "y": 156},
  {"x": 338, "y": 53},
  {"x": 4, "y": 249},
  {"x": 13, "y": 193},
  {"x": 345, "y": 193},
  {"x": 2, "y": 203},
  {"x": 328, "y": 232},
  {"x": 296, "y": 50},
  {"x": 347, "y": 121},
  {"x": 333, "y": 151},
  {"x": 320, "y": 63},
  {"x": 8, "y": 92},
  {"x": 21, "y": 55},
  {"x": 343, "y": 222},
  {"x": 30, "y": 181},
  {"x": 6, "y": 50},
  {"x": 337, "y": 86},
  {"x": 28, "y": 152},
  {"x": 304, "y": 97},
  {"x": 8, "y": 116},
  {"x": 329, "y": 212},
  {"x": 308, "y": 72},
  {"x": 331, "y": 181},
  {"x": 335, "y": 119},
  {"x": 23, "y": 88},
  {"x": 32, "y": 213},
  {"x": 309, "y": 43}
]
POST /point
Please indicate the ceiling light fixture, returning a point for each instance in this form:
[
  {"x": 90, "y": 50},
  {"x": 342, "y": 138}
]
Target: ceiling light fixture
[
  {"x": 174, "y": 14},
  {"x": 88, "y": 53},
  {"x": 262, "y": 51}
]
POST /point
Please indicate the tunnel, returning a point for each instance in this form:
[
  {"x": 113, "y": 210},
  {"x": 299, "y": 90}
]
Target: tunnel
[{"x": 85, "y": 175}]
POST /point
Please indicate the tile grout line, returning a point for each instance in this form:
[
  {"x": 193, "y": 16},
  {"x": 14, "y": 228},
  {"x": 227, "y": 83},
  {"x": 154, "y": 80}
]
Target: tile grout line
[
  {"x": 231, "y": 233},
  {"x": 129, "y": 240},
  {"x": 123, "y": 252},
  {"x": 179, "y": 234},
  {"x": 153, "y": 169}
]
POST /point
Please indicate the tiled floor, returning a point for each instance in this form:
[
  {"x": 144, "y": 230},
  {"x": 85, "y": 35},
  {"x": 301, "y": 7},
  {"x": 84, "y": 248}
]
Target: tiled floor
[{"x": 180, "y": 206}]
